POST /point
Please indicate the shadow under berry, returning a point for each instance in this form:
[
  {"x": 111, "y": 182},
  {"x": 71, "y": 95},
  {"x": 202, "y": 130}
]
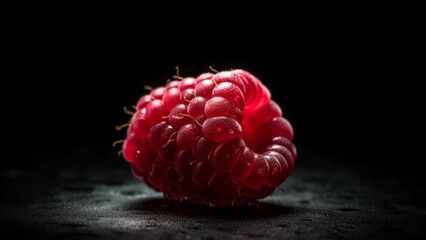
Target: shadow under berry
[{"x": 185, "y": 208}]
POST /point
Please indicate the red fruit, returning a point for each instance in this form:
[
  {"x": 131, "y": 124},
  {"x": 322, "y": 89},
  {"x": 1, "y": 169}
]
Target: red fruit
[
  {"x": 182, "y": 163},
  {"x": 155, "y": 112},
  {"x": 155, "y": 135},
  {"x": 177, "y": 116},
  {"x": 158, "y": 93},
  {"x": 140, "y": 128},
  {"x": 196, "y": 106},
  {"x": 186, "y": 137},
  {"x": 220, "y": 129},
  {"x": 226, "y": 155},
  {"x": 186, "y": 83},
  {"x": 219, "y": 106},
  {"x": 259, "y": 174},
  {"x": 217, "y": 139},
  {"x": 129, "y": 148},
  {"x": 243, "y": 165},
  {"x": 276, "y": 127},
  {"x": 202, "y": 173},
  {"x": 225, "y": 184},
  {"x": 171, "y": 98},
  {"x": 204, "y": 88},
  {"x": 143, "y": 101},
  {"x": 230, "y": 77},
  {"x": 203, "y": 148}
]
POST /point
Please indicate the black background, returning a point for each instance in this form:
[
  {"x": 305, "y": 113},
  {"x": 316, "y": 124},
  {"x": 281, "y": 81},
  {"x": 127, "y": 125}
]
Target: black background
[{"x": 346, "y": 83}]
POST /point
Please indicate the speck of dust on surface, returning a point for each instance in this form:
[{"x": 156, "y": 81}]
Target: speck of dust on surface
[{"x": 109, "y": 203}]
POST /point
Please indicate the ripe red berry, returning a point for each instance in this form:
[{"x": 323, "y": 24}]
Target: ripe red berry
[{"x": 217, "y": 139}]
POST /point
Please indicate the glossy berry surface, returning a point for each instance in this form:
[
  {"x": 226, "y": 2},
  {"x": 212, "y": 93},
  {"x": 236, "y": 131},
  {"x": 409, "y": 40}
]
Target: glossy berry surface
[{"x": 217, "y": 139}]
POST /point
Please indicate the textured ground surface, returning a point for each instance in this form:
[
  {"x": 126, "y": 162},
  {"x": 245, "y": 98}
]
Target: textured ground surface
[{"x": 321, "y": 200}]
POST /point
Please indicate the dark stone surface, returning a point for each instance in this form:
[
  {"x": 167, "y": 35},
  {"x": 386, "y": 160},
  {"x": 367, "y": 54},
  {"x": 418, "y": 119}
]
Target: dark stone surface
[{"x": 323, "y": 199}]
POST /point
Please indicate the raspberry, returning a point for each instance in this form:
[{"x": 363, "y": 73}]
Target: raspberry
[{"x": 217, "y": 139}]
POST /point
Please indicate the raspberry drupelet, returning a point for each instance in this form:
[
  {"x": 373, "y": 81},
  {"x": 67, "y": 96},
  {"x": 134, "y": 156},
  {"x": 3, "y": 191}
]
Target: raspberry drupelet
[{"x": 217, "y": 139}]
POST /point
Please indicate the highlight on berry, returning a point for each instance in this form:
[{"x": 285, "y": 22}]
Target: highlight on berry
[{"x": 215, "y": 139}]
